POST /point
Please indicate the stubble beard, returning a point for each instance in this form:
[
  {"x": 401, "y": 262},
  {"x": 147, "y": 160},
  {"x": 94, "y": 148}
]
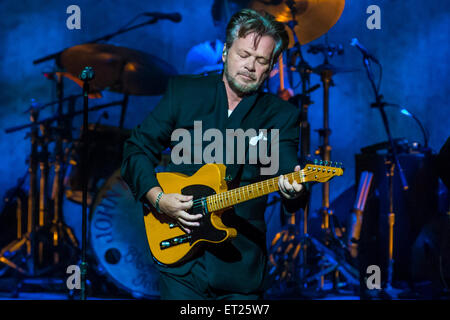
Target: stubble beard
[{"x": 238, "y": 87}]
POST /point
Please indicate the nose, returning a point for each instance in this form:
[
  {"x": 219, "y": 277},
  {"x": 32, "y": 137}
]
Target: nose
[{"x": 250, "y": 65}]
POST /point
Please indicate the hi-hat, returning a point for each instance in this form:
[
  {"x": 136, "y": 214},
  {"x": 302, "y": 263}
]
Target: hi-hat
[
  {"x": 118, "y": 69},
  {"x": 313, "y": 17}
]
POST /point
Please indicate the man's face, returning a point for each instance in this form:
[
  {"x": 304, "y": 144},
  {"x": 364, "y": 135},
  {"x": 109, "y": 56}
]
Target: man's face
[{"x": 245, "y": 66}]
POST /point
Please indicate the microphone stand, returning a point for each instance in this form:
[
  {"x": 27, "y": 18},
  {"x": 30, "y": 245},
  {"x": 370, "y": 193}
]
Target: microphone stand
[
  {"x": 392, "y": 161},
  {"x": 104, "y": 38},
  {"x": 86, "y": 75}
]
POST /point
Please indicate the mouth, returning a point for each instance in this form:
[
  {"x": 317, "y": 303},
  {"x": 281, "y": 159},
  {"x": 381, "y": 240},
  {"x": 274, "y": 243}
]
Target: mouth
[{"x": 247, "y": 77}]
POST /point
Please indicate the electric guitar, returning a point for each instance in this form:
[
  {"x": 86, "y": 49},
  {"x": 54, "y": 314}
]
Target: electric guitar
[{"x": 170, "y": 245}]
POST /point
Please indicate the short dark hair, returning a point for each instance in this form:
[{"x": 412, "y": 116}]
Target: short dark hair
[{"x": 247, "y": 21}]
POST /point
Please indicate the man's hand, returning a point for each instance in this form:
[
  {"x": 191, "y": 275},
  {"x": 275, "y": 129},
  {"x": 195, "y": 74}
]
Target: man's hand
[
  {"x": 288, "y": 190},
  {"x": 175, "y": 206}
]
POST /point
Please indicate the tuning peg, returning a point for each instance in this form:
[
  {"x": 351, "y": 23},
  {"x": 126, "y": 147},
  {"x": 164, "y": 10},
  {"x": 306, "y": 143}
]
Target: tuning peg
[
  {"x": 325, "y": 163},
  {"x": 320, "y": 163},
  {"x": 315, "y": 161}
]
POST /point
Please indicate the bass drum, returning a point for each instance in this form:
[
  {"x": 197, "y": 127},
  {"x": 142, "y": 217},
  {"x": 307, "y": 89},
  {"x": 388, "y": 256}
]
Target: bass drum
[{"x": 118, "y": 239}]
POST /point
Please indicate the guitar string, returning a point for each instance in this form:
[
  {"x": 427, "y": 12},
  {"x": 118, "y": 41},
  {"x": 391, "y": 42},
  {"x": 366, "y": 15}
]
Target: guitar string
[{"x": 199, "y": 202}]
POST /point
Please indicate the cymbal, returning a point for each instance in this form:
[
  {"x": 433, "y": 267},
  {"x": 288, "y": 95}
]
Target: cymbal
[
  {"x": 313, "y": 17},
  {"x": 118, "y": 69}
]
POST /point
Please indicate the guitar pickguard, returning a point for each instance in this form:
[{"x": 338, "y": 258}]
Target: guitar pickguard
[{"x": 206, "y": 230}]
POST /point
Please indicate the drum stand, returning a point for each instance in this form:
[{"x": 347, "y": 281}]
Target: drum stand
[
  {"x": 61, "y": 233},
  {"x": 41, "y": 237},
  {"x": 290, "y": 257},
  {"x": 289, "y": 249}
]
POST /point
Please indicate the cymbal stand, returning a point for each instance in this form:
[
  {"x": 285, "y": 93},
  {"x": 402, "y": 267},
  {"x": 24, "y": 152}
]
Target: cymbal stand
[
  {"x": 61, "y": 233},
  {"x": 332, "y": 262},
  {"x": 43, "y": 187},
  {"x": 304, "y": 101},
  {"x": 324, "y": 150},
  {"x": 289, "y": 248},
  {"x": 14, "y": 194},
  {"x": 28, "y": 239},
  {"x": 287, "y": 269}
]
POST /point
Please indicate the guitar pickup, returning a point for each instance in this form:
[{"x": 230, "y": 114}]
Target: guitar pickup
[{"x": 165, "y": 244}]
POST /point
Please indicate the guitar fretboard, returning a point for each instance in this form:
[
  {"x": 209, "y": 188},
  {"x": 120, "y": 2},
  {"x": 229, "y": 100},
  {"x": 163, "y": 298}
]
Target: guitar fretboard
[{"x": 258, "y": 189}]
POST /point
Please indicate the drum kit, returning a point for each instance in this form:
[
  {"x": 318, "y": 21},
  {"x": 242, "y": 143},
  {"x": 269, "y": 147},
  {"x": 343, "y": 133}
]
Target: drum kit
[{"x": 44, "y": 244}]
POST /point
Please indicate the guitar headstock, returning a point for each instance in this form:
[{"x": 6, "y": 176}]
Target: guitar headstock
[{"x": 322, "y": 171}]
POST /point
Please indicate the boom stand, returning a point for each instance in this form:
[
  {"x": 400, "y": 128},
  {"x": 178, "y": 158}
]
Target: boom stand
[
  {"x": 86, "y": 75},
  {"x": 392, "y": 160}
]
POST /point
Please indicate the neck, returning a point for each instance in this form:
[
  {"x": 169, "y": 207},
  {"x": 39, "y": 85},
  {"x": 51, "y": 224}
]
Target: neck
[{"x": 232, "y": 97}]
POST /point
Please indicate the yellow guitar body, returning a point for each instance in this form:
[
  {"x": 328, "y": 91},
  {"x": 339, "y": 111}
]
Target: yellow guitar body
[{"x": 160, "y": 227}]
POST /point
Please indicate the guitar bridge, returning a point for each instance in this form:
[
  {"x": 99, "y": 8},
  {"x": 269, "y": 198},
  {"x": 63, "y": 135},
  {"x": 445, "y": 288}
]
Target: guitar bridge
[{"x": 165, "y": 244}]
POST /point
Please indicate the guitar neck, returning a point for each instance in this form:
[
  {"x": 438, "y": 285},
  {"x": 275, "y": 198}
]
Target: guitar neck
[{"x": 230, "y": 198}]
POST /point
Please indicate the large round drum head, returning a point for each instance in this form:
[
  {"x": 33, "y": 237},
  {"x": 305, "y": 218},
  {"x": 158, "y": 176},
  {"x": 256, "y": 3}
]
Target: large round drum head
[{"x": 118, "y": 238}]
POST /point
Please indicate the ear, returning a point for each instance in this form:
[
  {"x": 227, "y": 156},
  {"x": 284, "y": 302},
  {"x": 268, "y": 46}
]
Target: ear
[{"x": 224, "y": 53}]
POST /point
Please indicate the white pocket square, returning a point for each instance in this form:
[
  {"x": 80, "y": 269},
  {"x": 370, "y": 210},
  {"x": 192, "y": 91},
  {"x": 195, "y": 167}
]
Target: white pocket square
[{"x": 254, "y": 140}]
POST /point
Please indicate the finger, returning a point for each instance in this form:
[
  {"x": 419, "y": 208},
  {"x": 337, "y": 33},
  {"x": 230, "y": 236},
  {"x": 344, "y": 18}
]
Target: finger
[
  {"x": 282, "y": 188},
  {"x": 287, "y": 185},
  {"x": 297, "y": 168},
  {"x": 187, "y": 230},
  {"x": 185, "y": 205},
  {"x": 297, "y": 186},
  {"x": 185, "y": 223},
  {"x": 189, "y": 217},
  {"x": 183, "y": 197},
  {"x": 281, "y": 183}
]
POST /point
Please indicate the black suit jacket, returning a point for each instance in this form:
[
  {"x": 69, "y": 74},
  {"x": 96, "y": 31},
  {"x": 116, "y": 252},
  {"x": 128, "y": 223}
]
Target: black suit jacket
[{"x": 238, "y": 265}]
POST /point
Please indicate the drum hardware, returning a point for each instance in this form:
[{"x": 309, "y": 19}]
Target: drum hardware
[
  {"x": 119, "y": 69},
  {"x": 19, "y": 196},
  {"x": 331, "y": 230},
  {"x": 67, "y": 116},
  {"x": 303, "y": 28},
  {"x": 86, "y": 76},
  {"x": 312, "y": 18},
  {"x": 42, "y": 239},
  {"x": 105, "y": 156}
]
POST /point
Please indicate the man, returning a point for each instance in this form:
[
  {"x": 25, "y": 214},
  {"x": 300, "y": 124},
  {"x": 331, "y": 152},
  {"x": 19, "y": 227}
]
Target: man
[{"x": 235, "y": 269}]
